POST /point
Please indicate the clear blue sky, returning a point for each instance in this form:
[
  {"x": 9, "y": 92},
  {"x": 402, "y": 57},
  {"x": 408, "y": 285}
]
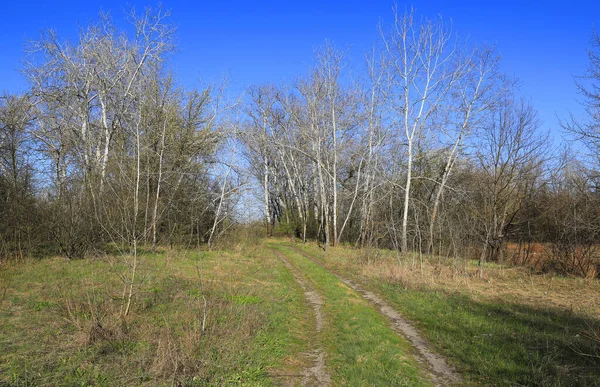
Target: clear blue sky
[{"x": 542, "y": 42}]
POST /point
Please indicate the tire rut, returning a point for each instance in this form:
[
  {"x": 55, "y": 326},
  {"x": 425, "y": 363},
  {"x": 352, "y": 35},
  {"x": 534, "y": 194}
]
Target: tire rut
[
  {"x": 316, "y": 375},
  {"x": 440, "y": 371}
]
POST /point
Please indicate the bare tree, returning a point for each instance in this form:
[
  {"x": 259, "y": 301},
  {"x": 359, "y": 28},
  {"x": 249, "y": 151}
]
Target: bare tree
[
  {"x": 509, "y": 155},
  {"x": 259, "y": 135},
  {"x": 479, "y": 86},
  {"x": 420, "y": 62},
  {"x": 16, "y": 176},
  {"x": 587, "y": 129},
  {"x": 373, "y": 99}
]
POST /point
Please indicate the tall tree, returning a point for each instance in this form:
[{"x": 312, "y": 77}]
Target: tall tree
[
  {"x": 421, "y": 65},
  {"x": 587, "y": 128},
  {"x": 17, "y": 206},
  {"x": 510, "y": 153}
]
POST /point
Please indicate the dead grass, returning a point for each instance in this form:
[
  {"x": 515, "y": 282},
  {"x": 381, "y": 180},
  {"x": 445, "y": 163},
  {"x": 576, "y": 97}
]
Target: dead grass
[
  {"x": 512, "y": 327},
  {"x": 198, "y": 318},
  {"x": 580, "y": 295}
]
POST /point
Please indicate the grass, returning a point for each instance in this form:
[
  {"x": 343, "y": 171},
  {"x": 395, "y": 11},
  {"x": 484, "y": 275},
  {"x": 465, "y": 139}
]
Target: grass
[
  {"x": 511, "y": 328},
  {"x": 362, "y": 350},
  {"x": 60, "y": 324},
  {"x": 59, "y": 321}
]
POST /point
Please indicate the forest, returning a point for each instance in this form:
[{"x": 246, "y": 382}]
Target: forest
[
  {"x": 428, "y": 148},
  {"x": 426, "y": 153}
]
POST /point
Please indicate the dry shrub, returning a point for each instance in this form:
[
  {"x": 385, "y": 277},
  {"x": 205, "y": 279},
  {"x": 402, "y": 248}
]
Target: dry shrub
[
  {"x": 99, "y": 333},
  {"x": 75, "y": 310},
  {"x": 109, "y": 335},
  {"x": 96, "y": 319},
  {"x": 525, "y": 253},
  {"x": 369, "y": 255},
  {"x": 181, "y": 350},
  {"x": 174, "y": 355},
  {"x": 564, "y": 257},
  {"x": 569, "y": 258},
  {"x": 398, "y": 274}
]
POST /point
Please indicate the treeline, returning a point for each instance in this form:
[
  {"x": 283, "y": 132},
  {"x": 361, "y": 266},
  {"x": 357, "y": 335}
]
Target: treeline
[
  {"x": 427, "y": 148},
  {"x": 105, "y": 150}
]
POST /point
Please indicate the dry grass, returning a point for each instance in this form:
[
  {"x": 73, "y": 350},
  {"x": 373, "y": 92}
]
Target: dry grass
[
  {"x": 198, "y": 318},
  {"x": 500, "y": 282},
  {"x": 512, "y": 327}
]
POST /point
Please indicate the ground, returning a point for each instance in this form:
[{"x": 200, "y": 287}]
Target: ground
[{"x": 278, "y": 312}]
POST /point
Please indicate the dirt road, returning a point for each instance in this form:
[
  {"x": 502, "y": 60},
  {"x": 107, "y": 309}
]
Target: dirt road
[{"x": 434, "y": 365}]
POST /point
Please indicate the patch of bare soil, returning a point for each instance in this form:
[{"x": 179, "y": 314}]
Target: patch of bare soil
[
  {"x": 441, "y": 372},
  {"x": 317, "y": 374}
]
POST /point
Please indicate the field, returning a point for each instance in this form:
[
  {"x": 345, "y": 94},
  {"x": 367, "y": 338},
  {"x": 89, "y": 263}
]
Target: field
[{"x": 276, "y": 312}]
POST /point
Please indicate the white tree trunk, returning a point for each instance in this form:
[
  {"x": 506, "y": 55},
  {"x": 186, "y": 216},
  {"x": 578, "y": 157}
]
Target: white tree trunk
[{"x": 158, "y": 184}]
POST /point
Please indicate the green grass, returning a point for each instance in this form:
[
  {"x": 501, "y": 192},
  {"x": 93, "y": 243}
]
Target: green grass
[
  {"x": 362, "y": 350},
  {"x": 493, "y": 341},
  {"x": 500, "y": 343},
  {"x": 60, "y": 325}
]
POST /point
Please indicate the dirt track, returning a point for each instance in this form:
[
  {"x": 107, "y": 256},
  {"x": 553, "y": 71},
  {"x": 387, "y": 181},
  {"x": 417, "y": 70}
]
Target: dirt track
[
  {"x": 316, "y": 375},
  {"x": 440, "y": 371}
]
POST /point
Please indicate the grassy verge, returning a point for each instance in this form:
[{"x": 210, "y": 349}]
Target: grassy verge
[
  {"x": 494, "y": 330},
  {"x": 60, "y": 325},
  {"x": 361, "y": 349}
]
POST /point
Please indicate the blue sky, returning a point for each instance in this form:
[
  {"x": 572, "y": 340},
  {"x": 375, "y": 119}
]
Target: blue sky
[{"x": 543, "y": 43}]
